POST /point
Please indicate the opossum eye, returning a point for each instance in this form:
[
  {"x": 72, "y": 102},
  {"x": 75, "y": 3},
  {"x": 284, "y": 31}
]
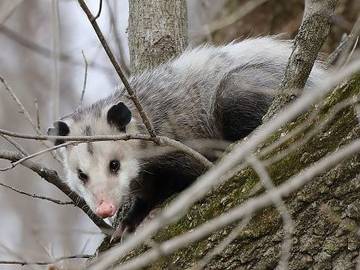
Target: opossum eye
[
  {"x": 83, "y": 176},
  {"x": 114, "y": 166}
]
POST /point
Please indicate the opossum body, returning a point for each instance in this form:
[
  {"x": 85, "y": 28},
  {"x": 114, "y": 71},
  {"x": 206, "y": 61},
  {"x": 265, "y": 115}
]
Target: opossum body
[{"x": 218, "y": 93}]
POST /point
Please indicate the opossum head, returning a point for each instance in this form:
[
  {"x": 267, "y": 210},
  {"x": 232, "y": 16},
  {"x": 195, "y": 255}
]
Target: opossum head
[{"x": 100, "y": 172}]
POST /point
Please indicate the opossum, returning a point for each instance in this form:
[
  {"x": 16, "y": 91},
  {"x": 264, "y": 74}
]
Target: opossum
[{"x": 216, "y": 93}]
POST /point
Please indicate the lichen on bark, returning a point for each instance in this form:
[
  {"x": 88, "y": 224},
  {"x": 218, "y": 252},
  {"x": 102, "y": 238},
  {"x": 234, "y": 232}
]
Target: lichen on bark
[{"x": 326, "y": 211}]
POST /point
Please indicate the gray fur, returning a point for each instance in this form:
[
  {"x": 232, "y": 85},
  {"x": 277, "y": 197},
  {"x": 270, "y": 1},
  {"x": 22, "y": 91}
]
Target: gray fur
[{"x": 180, "y": 96}]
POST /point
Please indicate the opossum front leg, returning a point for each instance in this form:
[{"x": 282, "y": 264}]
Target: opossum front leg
[{"x": 138, "y": 211}]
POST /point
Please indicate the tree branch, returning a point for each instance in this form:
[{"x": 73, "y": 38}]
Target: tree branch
[
  {"x": 118, "y": 69},
  {"x": 52, "y": 177},
  {"x": 312, "y": 33}
]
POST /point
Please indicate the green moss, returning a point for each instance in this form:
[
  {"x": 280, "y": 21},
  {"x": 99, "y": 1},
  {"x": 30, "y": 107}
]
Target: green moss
[{"x": 240, "y": 187}]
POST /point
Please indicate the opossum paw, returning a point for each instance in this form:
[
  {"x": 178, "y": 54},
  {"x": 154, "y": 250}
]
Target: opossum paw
[{"x": 122, "y": 232}]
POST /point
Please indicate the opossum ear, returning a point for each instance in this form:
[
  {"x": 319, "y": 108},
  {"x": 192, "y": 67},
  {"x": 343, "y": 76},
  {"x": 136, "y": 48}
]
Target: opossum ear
[
  {"x": 119, "y": 115},
  {"x": 60, "y": 129}
]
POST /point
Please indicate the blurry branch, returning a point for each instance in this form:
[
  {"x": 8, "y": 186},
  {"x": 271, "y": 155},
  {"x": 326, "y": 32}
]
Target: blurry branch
[
  {"x": 161, "y": 140},
  {"x": 24, "y": 112},
  {"x": 221, "y": 247},
  {"x": 215, "y": 175},
  {"x": 85, "y": 78},
  {"x": 37, "y": 113},
  {"x": 52, "y": 177},
  {"x": 244, "y": 210},
  {"x": 118, "y": 41},
  {"x": 289, "y": 226},
  {"x": 56, "y": 260},
  {"x": 43, "y": 51},
  {"x": 118, "y": 69},
  {"x": 313, "y": 31},
  {"x": 21, "y": 160},
  {"x": 37, "y": 196},
  {"x": 351, "y": 43},
  {"x": 241, "y": 12},
  {"x": 15, "y": 144},
  {"x": 55, "y": 80}
]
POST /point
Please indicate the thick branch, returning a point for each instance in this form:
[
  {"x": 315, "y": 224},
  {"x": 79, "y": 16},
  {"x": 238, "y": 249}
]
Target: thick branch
[
  {"x": 312, "y": 33},
  {"x": 157, "y": 32}
]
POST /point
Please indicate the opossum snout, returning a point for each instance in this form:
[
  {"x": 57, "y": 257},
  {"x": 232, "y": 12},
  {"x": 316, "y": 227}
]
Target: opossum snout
[{"x": 105, "y": 209}]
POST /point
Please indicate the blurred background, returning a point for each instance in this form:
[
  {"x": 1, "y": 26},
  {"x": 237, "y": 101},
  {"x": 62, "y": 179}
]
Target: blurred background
[{"x": 42, "y": 49}]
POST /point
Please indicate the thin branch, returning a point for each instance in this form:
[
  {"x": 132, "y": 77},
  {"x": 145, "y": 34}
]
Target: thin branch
[
  {"x": 81, "y": 256},
  {"x": 24, "y": 111},
  {"x": 21, "y": 160},
  {"x": 85, "y": 78},
  {"x": 118, "y": 69},
  {"x": 241, "y": 12},
  {"x": 15, "y": 144},
  {"x": 45, "y": 52},
  {"x": 37, "y": 196},
  {"x": 99, "y": 10},
  {"x": 289, "y": 226},
  {"x": 119, "y": 44},
  {"x": 52, "y": 177},
  {"x": 352, "y": 37},
  {"x": 221, "y": 247},
  {"x": 37, "y": 115},
  {"x": 83, "y": 139}
]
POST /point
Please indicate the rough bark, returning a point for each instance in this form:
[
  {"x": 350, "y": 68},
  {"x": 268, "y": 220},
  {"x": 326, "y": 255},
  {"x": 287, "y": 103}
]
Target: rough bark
[
  {"x": 157, "y": 32},
  {"x": 326, "y": 211}
]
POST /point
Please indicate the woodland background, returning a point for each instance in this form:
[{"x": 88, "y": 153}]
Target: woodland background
[{"x": 41, "y": 58}]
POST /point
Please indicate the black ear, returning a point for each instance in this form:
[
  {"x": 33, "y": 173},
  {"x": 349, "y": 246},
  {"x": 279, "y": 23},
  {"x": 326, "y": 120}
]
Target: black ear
[
  {"x": 60, "y": 129},
  {"x": 119, "y": 116}
]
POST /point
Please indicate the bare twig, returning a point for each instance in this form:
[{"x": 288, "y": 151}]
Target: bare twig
[
  {"x": 85, "y": 78},
  {"x": 55, "y": 80},
  {"x": 99, "y": 10},
  {"x": 21, "y": 160},
  {"x": 24, "y": 111},
  {"x": 52, "y": 177},
  {"x": 352, "y": 37},
  {"x": 118, "y": 41},
  {"x": 241, "y": 12},
  {"x": 221, "y": 247},
  {"x": 338, "y": 50},
  {"x": 37, "y": 196},
  {"x": 82, "y": 139},
  {"x": 15, "y": 144},
  {"x": 280, "y": 205},
  {"x": 37, "y": 115},
  {"x": 118, "y": 69},
  {"x": 45, "y": 52},
  {"x": 81, "y": 256}
]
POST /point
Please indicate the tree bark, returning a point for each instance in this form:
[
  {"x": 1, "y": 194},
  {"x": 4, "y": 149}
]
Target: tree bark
[
  {"x": 326, "y": 212},
  {"x": 157, "y": 32}
]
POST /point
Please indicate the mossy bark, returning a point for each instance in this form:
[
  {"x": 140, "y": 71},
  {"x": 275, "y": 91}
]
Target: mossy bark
[{"x": 326, "y": 212}]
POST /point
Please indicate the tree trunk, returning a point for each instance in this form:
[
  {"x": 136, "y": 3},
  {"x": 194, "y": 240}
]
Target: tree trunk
[
  {"x": 326, "y": 212},
  {"x": 157, "y": 32}
]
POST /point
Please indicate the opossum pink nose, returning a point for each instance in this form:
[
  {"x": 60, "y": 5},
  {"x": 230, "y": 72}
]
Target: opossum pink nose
[{"x": 105, "y": 209}]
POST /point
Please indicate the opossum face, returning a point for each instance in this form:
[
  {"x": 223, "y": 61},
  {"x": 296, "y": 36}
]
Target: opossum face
[{"x": 100, "y": 172}]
